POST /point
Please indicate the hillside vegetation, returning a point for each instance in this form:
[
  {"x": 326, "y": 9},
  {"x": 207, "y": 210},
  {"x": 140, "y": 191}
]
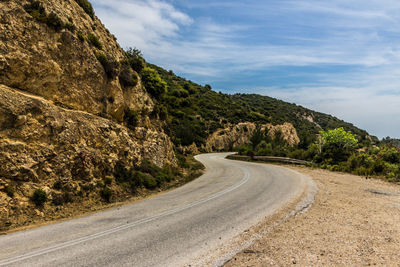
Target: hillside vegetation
[{"x": 192, "y": 112}]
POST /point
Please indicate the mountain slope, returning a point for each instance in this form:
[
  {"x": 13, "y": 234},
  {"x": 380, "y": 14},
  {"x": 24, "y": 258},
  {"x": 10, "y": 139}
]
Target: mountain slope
[{"x": 197, "y": 111}]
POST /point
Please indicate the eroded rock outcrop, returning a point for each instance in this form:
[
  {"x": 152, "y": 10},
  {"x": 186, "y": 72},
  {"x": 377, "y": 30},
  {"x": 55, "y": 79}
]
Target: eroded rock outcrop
[
  {"x": 61, "y": 64},
  {"x": 239, "y": 134},
  {"x": 40, "y": 141}
]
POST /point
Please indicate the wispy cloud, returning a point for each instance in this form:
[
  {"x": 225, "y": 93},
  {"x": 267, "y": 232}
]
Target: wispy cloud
[{"x": 139, "y": 23}]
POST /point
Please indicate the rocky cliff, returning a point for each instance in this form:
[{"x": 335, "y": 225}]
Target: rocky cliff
[
  {"x": 240, "y": 134},
  {"x": 60, "y": 62},
  {"x": 63, "y": 102}
]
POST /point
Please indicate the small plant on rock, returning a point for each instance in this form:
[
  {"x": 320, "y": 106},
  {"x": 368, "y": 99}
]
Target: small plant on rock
[
  {"x": 87, "y": 7},
  {"x": 39, "y": 197},
  {"x": 110, "y": 66},
  {"x": 94, "y": 40},
  {"x": 106, "y": 193}
]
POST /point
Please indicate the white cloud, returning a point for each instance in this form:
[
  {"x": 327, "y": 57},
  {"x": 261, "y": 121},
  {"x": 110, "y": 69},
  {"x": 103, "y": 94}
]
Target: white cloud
[{"x": 139, "y": 23}]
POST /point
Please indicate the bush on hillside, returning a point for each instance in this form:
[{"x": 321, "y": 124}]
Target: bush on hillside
[
  {"x": 87, "y": 7},
  {"x": 161, "y": 111},
  {"x": 106, "y": 193},
  {"x": 39, "y": 197},
  {"x": 94, "y": 40},
  {"x": 135, "y": 59},
  {"x": 80, "y": 36},
  {"x": 110, "y": 66},
  {"x": 131, "y": 117},
  {"x": 153, "y": 83},
  {"x": 127, "y": 77},
  {"x": 37, "y": 11}
]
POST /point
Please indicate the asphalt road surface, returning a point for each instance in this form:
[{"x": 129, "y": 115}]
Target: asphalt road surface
[{"x": 170, "y": 229}]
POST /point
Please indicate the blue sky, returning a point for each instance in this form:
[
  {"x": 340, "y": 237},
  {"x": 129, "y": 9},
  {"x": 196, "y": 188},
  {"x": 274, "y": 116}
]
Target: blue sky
[{"x": 338, "y": 57}]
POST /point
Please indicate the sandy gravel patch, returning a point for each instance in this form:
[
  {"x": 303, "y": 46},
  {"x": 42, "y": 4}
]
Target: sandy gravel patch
[{"x": 354, "y": 221}]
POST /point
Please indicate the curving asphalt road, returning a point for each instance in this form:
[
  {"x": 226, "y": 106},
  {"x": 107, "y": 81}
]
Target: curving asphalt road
[{"x": 170, "y": 229}]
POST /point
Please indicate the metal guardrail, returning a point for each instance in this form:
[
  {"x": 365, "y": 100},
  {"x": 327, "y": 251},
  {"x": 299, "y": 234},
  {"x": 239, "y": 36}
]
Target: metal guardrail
[{"x": 270, "y": 159}]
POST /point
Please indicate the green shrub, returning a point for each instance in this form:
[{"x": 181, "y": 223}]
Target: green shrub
[
  {"x": 106, "y": 193},
  {"x": 37, "y": 11},
  {"x": 343, "y": 167},
  {"x": 110, "y": 66},
  {"x": 94, "y": 40},
  {"x": 99, "y": 183},
  {"x": 297, "y": 154},
  {"x": 135, "y": 59},
  {"x": 195, "y": 165},
  {"x": 362, "y": 171},
  {"x": 244, "y": 149},
  {"x": 311, "y": 153},
  {"x": 257, "y": 136},
  {"x": 55, "y": 22},
  {"x": 127, "y": 77},
  {"x": 180, "y": 93},
  {"x": 57, "y": 199},
  {"x": 163, "y": 177},
  {"x": 60, "y": 199},
  {"x": 70, "y": 26},
  {"x": 337, "y": 144},
  {"x": 121, "y": 172},
  {"x": 88, "y": 187},
  {"x": 58, "y": 185},
  {"x": 150, "y": 182},
  {"x": 80, "y": 36},
  {"x": 161, "y": 111},
  {"x": 378, "y": 166},
  {"x": 39, "y": 197},
  {"x": 137, "y": 179},
  {"x": 87, "y": 7},
  {"x": 108, "y": 180},
  {"x": 131, "y": 117},
  {"x": 182, "y": 162},
  {"x": 153, "y": 83},
  {"x": 391, "y": 155},
  {"x": 149, "y": 167},
  {"x": 392, "y": 172}
]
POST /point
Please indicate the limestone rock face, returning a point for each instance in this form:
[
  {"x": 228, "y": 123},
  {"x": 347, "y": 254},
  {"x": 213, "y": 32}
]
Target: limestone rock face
[
  {"x": 240, "y": 134},
  {"x": 39, "y": 140},
  {"x": 58, "y": 64},
  {"x": 289, "y": 133},
  {"x": 60, "y": 70},
  {"x": 61, "y": 113}
]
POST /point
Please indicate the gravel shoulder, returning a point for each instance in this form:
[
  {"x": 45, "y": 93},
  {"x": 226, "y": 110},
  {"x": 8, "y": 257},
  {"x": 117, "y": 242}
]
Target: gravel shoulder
[{"x": 353, "y": 221}]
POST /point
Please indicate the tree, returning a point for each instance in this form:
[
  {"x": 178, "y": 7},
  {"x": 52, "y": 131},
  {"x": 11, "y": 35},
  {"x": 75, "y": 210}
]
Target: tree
[
  {"x": 135, "y": 59},
  {"x": 337, "y": 144}
]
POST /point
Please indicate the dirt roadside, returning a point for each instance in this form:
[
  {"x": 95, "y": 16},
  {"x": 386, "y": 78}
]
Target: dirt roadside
[{"x": 353, "y": 222}]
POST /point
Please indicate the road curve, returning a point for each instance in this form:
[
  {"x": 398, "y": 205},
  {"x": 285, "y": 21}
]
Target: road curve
[{"x": 170, "y": 229}]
